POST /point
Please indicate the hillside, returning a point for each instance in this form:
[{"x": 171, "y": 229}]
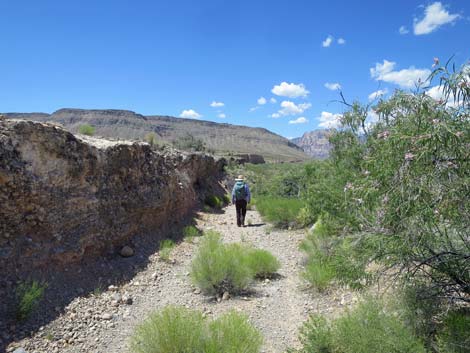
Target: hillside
[
  {"x": 222, "y": 138},
  {"x": 314, "y": 143}
]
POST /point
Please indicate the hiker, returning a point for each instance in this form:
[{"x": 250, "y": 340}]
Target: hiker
[{"x": 241, "y": 197}]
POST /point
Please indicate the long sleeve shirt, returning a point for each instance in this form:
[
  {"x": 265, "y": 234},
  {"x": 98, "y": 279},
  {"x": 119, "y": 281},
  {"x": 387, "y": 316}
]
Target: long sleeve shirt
[{"x": 247, "y": 194}]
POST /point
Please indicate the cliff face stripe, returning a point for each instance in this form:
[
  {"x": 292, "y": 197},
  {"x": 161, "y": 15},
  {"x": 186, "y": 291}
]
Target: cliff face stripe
[{"x": 63, "y": 199}]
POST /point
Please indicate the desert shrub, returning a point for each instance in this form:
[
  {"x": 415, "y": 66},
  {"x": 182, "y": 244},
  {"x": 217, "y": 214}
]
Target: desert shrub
[
  {"x": 173, "y": 330},
  {"x": 166, "y": 247},
  {"x": 28, "y": 296},
  {"x": 151, "y": 139},
  {"x": 180, "y": 330},
  {"x": 87, "y": 129},
  {"x": 232, "y": 333},
  {"x": 213, "y": 201},
  {"x": 331, "y": 258},
  {"x": 189, "y": 143},
  {"x": 262, "y": 263},
  {"x": 227, "y": 198},
  {"x": 281, "y": 212},
  {"x": 400, "y": 187},
  {"x": 190, "y": 232},
  {"x": 367, "y": 328},
  {"x": 219, "y": 268},
  {"x": 425, "y": 310},
  {"x": 414, "y": 185},
  {"x": 453, "y": 336},
  {"x": 325, "y": 191}
]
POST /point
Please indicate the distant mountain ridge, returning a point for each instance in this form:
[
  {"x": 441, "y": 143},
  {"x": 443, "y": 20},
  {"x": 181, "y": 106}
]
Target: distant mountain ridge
[
  {"x": 223, "y": 138},
  {"x": 315, "y": 143}
]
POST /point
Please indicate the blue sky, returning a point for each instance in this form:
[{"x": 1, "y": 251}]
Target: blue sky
[{"x": 266, "y": 61}]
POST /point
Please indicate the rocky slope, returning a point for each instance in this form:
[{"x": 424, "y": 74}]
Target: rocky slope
[
  {"x": 315, "y": 143},
  {"x": 65, "y": 198},
  {"x": 224, "y": 139}
]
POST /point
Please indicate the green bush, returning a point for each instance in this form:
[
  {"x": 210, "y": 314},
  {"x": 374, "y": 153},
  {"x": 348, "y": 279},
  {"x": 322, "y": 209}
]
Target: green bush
[
  {"x": 262, "y": 263},
  {"x": 87, "y": 129},
  {"x": 454, "y": 335},
  {"x": 214, "y": 201},
  {"x": 227, "y": 198},
  {"x": 181, "y": 330},
  {"x": 190, "y": 232},
  {"x": 319, "y": 273},
  {"x": 219, "y": 268},
  {"x": 173, "y": 330},
  {"x": 231, "y": 333},
  {"x": 369, "y": 328},
  {"x": 151, "y": 139},
  {"x": 331, "y": 258},
  {"x": 166, "y": 247},
  {"x": 190, "y": 143},
  {"x": 281, "y": 212},
  {"x": 28, "y": 296}
]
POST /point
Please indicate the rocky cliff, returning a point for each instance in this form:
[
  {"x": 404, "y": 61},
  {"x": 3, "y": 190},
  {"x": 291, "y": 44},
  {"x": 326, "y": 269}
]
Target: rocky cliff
[
  {"x": 65, "y": 198},
  {"x": 315, "y": 143}
]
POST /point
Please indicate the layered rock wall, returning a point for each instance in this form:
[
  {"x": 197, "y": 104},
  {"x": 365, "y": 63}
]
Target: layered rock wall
[{"x": 65, "y": 198}]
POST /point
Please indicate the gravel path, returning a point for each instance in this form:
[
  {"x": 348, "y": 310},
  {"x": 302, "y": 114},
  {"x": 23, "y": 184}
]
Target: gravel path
[{"x": 104, "y": 322}]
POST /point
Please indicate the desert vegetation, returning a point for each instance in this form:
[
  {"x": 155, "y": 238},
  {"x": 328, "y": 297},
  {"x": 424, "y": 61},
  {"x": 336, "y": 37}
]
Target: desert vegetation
[
  {"x": 87, "y": 129},
  {"x": 190, "y": 143},
  {"x": 29, "y": 296},
  {"x": 151, "y": 139},
  {"x": 177, "y": 329},
  {"x": 166, "y": 247},
  {"x": 218, "y": 268},
  {"x": 392, "y": 200}
]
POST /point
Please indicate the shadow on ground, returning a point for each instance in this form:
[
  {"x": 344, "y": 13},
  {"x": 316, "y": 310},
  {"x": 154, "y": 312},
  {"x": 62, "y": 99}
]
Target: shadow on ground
[
  {"x": 81, "y": 279},
  {"x": 256, "y": 225}
]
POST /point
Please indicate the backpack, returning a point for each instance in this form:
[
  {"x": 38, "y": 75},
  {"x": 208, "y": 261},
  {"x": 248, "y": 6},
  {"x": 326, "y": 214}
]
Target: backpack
[{"x": 240, "y": 190}]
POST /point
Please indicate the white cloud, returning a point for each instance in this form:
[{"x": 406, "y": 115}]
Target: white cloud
[
  {"x": 290, "y": 108},
  {"x": 329, "y": 120},
  {"x": 372, "y": 117},
  {"x": 261, "y": 101},
  {"x": 333, "y": 86},
  {"x": 253, "y": 109},
  {"x": 275, "y": 115},
  {"x": 435, "y": 16},
  {"x": 377, "y": 94},
  {"x": 327, "y": 42},
  {"x": 290, "y": 90},
  {"x": 300, "y": 120},
  {"x": 190, "y": 114},
  {"x": 405, "y": 78},
  {"x": 341, "y": 41},
  {"x": 221, "y": 115},
  {"x": 272, "y": 100},
  {"x": 403, "y": 30},
  {"x": 435, "y": 92},
  {"x": 215, "y": 104}
]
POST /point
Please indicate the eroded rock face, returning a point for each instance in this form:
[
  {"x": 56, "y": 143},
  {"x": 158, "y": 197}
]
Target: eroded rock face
[
  {"x": 315, "y": 143},
  {"x": 64, "y": 198}
]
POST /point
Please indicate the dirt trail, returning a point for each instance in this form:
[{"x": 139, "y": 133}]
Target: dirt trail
[{"x": 104, "y": 322}]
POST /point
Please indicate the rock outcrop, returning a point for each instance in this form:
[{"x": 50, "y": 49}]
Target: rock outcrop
[
  {"x": 65, "y": 198},
  {"x": 315, "y": 143}
]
